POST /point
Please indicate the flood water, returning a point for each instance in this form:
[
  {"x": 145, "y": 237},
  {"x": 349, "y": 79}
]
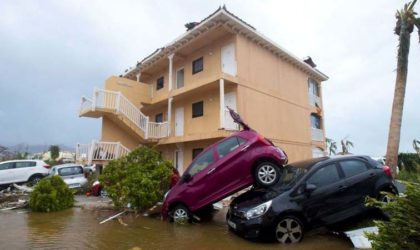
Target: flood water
[{"x": 79, "y": 229}]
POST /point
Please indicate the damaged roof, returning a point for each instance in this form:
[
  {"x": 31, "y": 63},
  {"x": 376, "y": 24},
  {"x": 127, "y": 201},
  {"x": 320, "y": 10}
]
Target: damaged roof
[{"x": 222, "y": 17}]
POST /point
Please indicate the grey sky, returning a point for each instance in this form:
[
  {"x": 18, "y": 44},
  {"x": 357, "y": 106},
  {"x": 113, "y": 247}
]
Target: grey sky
[{"x": 53, "y": 52}]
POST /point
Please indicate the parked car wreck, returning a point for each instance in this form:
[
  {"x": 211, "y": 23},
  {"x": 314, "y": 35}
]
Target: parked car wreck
[
  {"x": 310, "y": 193},
  {"x": 238, "y": 161},
  {"x": 72, "y": 174}
]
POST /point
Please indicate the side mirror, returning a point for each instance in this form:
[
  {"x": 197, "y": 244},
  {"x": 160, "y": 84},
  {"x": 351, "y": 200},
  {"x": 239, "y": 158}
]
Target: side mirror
[
  {"x": 186, "y": 178},
  {"x": 310, "y": 187}
]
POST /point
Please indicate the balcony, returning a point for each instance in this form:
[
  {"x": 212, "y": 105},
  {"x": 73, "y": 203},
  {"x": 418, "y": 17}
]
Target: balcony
[
  {"x": 119, "y": 107},
  {"x": 100, "y": 151},
  {"x": 317, "y": 134},
  {"x": 314, "y": 100}
]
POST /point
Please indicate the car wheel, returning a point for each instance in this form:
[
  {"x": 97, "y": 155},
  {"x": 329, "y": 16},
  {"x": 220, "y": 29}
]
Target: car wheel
[
  {"x": 384, "y": 197},
  {"x": 102, "y": 193},
  {"x": 289, "y": 229},
  {"x": 266, "y": 174},
  {"x": 180, "y": 214},
  {"x": 35, "y": 179}
]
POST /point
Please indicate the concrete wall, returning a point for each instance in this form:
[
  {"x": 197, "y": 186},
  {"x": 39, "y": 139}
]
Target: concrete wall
[
  {"x": 111, "y": 132},
  {"x": 136, "y": 92}
]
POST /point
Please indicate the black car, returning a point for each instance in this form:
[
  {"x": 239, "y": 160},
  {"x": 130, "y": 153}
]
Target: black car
[{"x": 310, "y": 193}]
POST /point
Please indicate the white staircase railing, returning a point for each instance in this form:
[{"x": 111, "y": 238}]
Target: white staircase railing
[
  {"x": 116, "y": 101},
  {"x": 100, "y": 151}
]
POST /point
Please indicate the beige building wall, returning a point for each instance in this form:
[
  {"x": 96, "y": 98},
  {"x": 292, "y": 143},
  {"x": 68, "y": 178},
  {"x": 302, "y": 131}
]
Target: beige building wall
[{"x": 112, "y": 132}]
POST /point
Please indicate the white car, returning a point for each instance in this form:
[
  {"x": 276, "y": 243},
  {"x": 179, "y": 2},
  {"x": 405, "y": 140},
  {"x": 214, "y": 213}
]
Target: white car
[
  {"x": 72, "y": 174},
  {"x": 20, "y": 171}
]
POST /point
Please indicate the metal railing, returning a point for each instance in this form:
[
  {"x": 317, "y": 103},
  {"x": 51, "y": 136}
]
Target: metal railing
[
  {"x": 158, "y": 129},
  {"x": 314, "y": 100},
  {"x": 117, "y": 102},
  {"x": 100, "y": 151},
  {"x": 317, "y": 134}
]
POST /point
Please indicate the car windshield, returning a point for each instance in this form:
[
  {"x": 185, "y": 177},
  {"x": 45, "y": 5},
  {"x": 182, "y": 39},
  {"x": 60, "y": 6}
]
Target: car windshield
[{"x": 290, "y": 175}]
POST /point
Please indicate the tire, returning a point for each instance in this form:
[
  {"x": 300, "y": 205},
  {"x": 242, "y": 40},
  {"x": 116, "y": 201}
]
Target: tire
[
  {"x": 266, "y": 174},
  {"x": 289, "y": 229},
  {"x": 180, "y": 214},
  {"x": 384, "y": 197},
  {"x": 33, "y": 180}
]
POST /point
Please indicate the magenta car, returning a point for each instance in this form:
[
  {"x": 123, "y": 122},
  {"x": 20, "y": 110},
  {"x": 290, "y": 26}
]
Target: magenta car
[{"x": 238, "y": 161}]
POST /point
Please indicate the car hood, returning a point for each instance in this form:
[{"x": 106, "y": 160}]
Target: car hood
[{"x": 254, "y": 197}]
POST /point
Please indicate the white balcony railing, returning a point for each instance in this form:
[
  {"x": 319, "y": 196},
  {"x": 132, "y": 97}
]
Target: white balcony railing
[
  {"x": 117, "y": 102},
  {"x": 100, "y": 151},
  {"x": 314, "y": 100},
  {"x": 158, "y": 129},
  {"x": 317, "y": 134}
]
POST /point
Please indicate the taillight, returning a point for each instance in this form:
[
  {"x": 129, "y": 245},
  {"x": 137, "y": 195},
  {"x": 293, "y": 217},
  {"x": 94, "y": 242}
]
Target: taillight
[
  {"x": 388, "y": 171},
  {"x": 47, "y": 166}
]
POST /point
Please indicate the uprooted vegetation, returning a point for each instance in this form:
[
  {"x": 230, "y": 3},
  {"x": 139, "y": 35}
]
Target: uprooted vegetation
[
  {"x": 139, "y": 179},
  {"x": 51, "y": 194}
]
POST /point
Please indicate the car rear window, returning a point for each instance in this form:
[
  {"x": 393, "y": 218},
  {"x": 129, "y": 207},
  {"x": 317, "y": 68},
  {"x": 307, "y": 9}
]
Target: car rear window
[
  {"x": 352, "y": 167},
  {"x": 70, "y": 171}
]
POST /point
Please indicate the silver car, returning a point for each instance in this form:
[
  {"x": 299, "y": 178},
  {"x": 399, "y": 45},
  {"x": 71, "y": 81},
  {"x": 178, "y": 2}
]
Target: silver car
[{"x": 72, "y": 174}]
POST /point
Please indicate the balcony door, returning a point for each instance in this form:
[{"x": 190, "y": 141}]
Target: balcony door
[
  {"x": 228, "y": 59},
  {"x": 179, "y": 121}
]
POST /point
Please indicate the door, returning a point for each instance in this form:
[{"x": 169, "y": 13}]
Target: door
[
  {"x": 230, "y": 101},
  {"x": 179, "y": 121},
  {"x": 228, "y": 59},
  {"x": 7, "y": 172},
  {"x": 179, "y": 161}
]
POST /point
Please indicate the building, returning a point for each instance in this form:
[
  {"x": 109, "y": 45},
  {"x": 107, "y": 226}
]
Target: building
[{"x": 175, "y": 98}]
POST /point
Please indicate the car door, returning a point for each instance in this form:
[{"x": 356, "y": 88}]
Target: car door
[
  {"x": 229, "y": 171},
  {"x": 360, "y": 181},
  {"x": 326, "y": 200},
  {"x": 197, "y": 189},
  {"x": 6, "y": 172},
  {"x": 24, "y": 170}
]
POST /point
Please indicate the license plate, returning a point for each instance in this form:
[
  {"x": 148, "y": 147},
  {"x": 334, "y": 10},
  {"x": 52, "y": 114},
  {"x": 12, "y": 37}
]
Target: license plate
[{"x": 231, "y": 224}]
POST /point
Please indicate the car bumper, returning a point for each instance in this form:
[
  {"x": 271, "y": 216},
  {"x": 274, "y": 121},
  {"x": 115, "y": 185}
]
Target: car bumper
[{"x": 253, "y": 228}]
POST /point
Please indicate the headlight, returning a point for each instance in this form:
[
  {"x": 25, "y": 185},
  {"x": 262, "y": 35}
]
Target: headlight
[
  {"x": 258, "y": 211},
  {"x": 166, "y": 194}
]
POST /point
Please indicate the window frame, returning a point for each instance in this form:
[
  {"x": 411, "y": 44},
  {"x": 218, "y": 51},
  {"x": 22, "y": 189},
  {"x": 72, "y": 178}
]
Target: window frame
[
  {"x": 355, "y": 160},
  {"x": 202, "y": 155},
  {"x": 196, "y": 154},
  {"x": 202, "y": 109},
  {"x": 239, "y": 142},
  {"x": 339, "y": 174},
  {"x": 158, "y": 87},
  {"x": 194, "y": 70},
  {"x": 320, "y": 120},
  {"x": 316, "y": 87}
]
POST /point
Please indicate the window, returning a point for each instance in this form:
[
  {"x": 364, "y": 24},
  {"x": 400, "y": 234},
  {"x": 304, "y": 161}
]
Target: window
[
  {"x": 197, "y": 65},
  {"x": 25, "y": 164},
  {"x": 196, "y": 152},
  {"x": 159, "y": 117},
  {"x": 313, "y": 87},
  {"x": 315, "y": 121},
  {"x": 70, "y": 171},
  {"x": 201, "y": 163},
  {"x": 229, "y": 145},
  {"x": 159, "y": 83},
  {"x": 351, "y": 168},
  {"x": 197, "y": 109},
  {"x": 7, "y": 165},
  {"x": 180, "y": 78},
  {"x": 324, "y": 176}
]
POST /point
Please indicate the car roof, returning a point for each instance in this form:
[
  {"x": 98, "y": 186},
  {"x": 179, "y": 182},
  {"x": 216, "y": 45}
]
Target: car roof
[
  {"x": 314, "y": 161},
  {"x": 68, "y": 165},
  {"x": 20, "y": 160}
]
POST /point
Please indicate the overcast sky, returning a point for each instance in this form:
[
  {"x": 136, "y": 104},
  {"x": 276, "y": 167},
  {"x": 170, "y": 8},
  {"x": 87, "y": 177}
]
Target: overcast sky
[{"x": 54, "y": 52}]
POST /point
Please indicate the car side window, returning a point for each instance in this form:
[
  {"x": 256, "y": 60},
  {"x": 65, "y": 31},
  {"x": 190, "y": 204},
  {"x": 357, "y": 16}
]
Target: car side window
[
  {"x": 201, "y": 163},
  {"x": 229, "y": 145},
  {"x": 353, "y": 167},
  {"x": 324, "y": 176},
  {"x": 7, "y": 165},
  {"x": 70, "y": 171},
  {"x": 25, "y": 164}
]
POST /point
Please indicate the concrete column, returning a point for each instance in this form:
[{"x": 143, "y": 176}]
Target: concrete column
[
  {"x": 222, "y": 102},
  {"x": 169, "y": 115},
  {"x": 170, "y": 57},
  {"x": 138, "y": 76}
]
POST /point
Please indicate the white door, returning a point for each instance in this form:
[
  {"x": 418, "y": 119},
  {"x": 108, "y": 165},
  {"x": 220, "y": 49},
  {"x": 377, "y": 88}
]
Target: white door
[
  {"x": 228, "y": 59},
  {"x": 179, "y": 121},
  {"x": 179, "y": 161},
  {"x": 230, "y": 101}
]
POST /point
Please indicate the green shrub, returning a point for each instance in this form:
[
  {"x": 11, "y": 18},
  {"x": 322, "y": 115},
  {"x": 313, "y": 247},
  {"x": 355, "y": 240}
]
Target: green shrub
[
  {"x": 51, "y": 194},
  {"x": 140, "y": 178},
  {"x": 405, "y": 175},
  {"x": 402, "y": 231},
  {"x": 409, "y": 162}
]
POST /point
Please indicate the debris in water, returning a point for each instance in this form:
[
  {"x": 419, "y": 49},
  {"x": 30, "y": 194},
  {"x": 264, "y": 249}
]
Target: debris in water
[
  {"x": 359, "y": 239},
  {"x": 112, "y": 217}
]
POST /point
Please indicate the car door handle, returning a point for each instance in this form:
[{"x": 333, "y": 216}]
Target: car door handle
[{"x": 211, "y": 171}]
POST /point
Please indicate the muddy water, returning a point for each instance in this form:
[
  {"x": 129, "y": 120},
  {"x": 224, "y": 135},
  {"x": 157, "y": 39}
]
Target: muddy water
[{"x": 79, "y": 229}]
